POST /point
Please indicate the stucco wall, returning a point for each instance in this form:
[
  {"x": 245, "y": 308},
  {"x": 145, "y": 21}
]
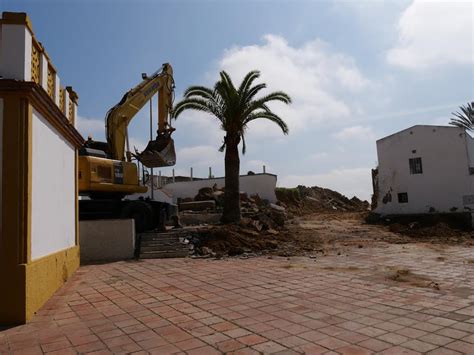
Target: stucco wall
[
  {"x": 16, "y": 42},
  {"x": 470, "y": 150},
  {"x": 107, "y": 239},
  {"x": 445, "y": 178},
  {"x": 53, "y": 190},
  {"x": 261, "y": 184}
]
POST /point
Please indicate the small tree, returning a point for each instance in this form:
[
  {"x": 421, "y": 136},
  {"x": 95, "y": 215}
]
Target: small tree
[
  {"x": 235, "y": 108},
  {"x": 465, "y": 118}
]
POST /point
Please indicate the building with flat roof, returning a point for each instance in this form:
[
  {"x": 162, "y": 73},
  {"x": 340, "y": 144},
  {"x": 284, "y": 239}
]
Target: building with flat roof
[{"x": 424, "y": 169}]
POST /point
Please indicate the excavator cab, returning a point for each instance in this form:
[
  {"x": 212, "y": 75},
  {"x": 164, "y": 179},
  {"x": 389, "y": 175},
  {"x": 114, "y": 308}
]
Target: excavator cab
[{"x": 159, "y": 152}]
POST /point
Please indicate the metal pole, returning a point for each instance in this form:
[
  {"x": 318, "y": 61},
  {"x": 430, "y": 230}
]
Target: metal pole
[
  {"x": 127, "y": 154},
  {"x": 160, "y": 181},
  {"x": 191, "y": 174},
  {"x": 264, "y": 169},
  {"x": 151, "y": 138},
  {"x": 173, "y": 175},
  {"x": 210, "y": 172}
]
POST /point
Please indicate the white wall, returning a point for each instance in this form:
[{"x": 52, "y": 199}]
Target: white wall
[
  {"x": 470, "y": 149},
  {"x": 261, "y": 184},
  {"x": 445, "y": 178},
  {"x": 107, "y": 239},
  {"x": 15, "y": 54},
  {"x": 53, "y": 190}
]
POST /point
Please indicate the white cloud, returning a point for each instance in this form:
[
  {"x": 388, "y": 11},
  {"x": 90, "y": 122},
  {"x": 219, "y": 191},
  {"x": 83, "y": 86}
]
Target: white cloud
[
  {"x": 319, "y": 156},
  {"x": 201, "y": 126},
  {"x": 350, "y": 182},
  {"x": 90, "y": 127},
  {"x": 433, "y": 33},
  {"x": 200, "y": 156},
  {"x": 314, "y": 75},
  {"x": 359, "y": 133}
]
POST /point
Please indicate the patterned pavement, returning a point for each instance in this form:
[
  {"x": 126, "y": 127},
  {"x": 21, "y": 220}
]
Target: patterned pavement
[{"x": 353, "y": 303}]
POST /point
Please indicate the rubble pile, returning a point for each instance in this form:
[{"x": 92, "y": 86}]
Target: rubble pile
[
  {"x": 303, "y": 200},
  {"x": 258, "y": 231}
]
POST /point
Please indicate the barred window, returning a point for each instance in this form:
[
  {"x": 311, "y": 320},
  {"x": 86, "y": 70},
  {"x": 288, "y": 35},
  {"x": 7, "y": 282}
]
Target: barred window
[
  {"x": 403, "y": 197},
  {"x": 415, "y": 166}
]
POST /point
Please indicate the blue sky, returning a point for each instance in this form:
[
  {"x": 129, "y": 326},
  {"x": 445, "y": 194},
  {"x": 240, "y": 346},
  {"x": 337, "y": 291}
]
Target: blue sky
[{"x": 356, "y": 70}]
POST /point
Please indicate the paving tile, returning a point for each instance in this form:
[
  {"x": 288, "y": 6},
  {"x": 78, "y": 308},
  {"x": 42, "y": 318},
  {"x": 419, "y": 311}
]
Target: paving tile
[
  {"x": 393, "y": 338},
  {"x": 398, "y": 350},
  {"x": 190, "y": 344},
  {"x": 461, "y": 346},
  {"x": 353, "y": 350},
  {"x": 443, "y": 351},
  {"x": 375, "y": 344},
  {"x": 269, "y": 347},
  {"x": 152, "y": 343},
  {"x": 167, "y": 349},
  {"x": 237, "y": 333},
  {"x": 419, "y": 346},
  {"x": 469, "y": 339},
  {"x": 58, "y": 345},
  {"x": 229, "y": 345},
  {"x": 436, "y": 339},
  {"x": 411, "y": 332},
  {"x": 253, "y": 339},
  {"x": 205, "y": 350},
  {"x": 332, "y": 343}
]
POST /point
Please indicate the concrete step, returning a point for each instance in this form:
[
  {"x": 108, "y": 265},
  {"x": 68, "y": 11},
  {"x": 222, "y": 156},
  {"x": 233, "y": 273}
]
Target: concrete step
[
  {"x": 163, "y": 237},
  {"x": 163, "y": 245},
  {"x": 164, "y": 254},
  {"x": 147, "y": 248}
]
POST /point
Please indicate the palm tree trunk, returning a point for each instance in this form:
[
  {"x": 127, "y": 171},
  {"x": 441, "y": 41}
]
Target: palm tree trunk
[{"x": 231, "y": 212}]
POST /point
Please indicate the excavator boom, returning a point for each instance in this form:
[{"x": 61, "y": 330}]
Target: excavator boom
[{"x": 159, "y": 152}]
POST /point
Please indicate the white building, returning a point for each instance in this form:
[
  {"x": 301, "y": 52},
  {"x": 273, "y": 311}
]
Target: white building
[
  {"x": 262, "y": 185},
  {"x": 425, "y": 169}
]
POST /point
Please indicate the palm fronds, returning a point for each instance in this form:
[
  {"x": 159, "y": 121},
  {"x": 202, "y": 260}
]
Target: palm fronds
[{"x": 465, "y": 117}]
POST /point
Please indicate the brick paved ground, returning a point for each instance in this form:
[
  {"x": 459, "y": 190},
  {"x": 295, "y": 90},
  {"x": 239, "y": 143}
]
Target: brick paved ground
[{"x": 329, "y": 305}]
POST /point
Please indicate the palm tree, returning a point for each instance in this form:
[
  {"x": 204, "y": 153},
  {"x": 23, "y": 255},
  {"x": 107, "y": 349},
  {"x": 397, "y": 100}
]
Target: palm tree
[
  {"x": 235, "y": 108},
  {"x": 465, "y": 118}
]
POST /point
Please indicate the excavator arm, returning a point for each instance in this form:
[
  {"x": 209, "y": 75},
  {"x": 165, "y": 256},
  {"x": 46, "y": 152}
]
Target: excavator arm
[{"x": 159, "y": 152}]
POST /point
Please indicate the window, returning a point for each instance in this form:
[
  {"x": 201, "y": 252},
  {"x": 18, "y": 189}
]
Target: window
[
  {"x": 403, "y": 197},
  {"x": 415, "y": 166}
]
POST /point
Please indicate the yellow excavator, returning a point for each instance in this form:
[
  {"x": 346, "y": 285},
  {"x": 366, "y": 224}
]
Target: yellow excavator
[{"x": 107, "y": 171}]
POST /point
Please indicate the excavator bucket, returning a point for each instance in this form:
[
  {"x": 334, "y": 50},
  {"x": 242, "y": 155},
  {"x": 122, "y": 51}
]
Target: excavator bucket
[{"x": 159, "y": 152}]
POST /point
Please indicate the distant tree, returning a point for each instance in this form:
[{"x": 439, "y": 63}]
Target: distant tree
[
  {"x": 464, "y": 118},
  {"x": 234, "y": 108}
]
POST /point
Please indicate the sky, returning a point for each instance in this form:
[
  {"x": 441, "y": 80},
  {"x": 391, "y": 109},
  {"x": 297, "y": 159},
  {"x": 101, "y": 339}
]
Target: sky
[{"x": 356, "y": 70}]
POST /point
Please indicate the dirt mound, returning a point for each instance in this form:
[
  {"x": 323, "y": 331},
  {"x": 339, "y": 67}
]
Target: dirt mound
[
  {"x": 304, "y": 200},
  {"x": 437, "y": 233},
  {"x": 235, "y": 240},
  {"x": 431, "y": 228}
]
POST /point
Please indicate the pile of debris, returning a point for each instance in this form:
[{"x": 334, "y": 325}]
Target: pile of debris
[
  {"x": 257, "y": 232},
  {"x": 304, "y": 200},
  {"x": 213, "y": 198}
]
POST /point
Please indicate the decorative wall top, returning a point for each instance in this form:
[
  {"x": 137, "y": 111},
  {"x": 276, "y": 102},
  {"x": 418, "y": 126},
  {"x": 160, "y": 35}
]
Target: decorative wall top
[{"x": 23, "y": 58}]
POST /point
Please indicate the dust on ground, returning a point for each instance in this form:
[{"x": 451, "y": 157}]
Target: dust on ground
[{"x": 312, "y": 221}]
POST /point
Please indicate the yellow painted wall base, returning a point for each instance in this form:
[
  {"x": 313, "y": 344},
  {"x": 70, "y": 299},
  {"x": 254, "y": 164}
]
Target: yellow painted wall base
[
  {"x": 31, "y": 285},
  {"x": 46, "y": 275}
]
